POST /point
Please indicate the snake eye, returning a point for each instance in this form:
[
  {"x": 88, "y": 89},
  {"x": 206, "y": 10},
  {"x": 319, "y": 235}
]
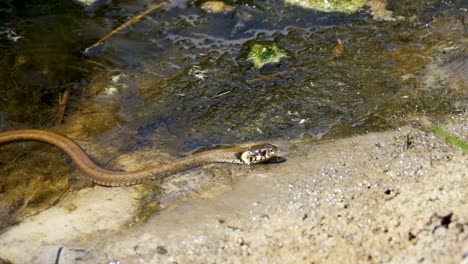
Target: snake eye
[{"x": 263, "y": 152}]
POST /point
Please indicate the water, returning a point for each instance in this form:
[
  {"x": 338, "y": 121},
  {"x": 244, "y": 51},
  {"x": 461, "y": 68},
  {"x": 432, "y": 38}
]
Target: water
[
  {"x": 189, "y": 71},
  {"x": 180, "y": 79}
]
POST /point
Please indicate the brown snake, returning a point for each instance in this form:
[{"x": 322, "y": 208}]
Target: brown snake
[{"x": 95, "y": 173}]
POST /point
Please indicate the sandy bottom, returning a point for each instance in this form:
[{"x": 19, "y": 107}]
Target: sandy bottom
[{"x": 392, "y": 197}]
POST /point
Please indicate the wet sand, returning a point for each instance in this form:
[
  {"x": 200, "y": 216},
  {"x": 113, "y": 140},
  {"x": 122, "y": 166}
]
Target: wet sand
[{"x": 391, "y": 197}]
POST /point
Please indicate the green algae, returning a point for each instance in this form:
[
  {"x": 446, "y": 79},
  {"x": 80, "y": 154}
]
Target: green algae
[
  {"x": 344, "y": 6},
  {"x": 262, "y": 54}
]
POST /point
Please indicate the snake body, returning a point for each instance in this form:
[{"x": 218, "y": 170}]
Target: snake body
[{"x": 95, "y": 173}]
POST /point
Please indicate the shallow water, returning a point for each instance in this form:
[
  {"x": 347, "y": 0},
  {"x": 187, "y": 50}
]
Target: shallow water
[
  {"x": 180, "y": 79},
  {"x": 186, "y": 70}
]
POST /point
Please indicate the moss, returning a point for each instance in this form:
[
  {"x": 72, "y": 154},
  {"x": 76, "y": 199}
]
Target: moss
[
  {"x": 345, "y": 6},
  {"x": 262, "y": 54}
]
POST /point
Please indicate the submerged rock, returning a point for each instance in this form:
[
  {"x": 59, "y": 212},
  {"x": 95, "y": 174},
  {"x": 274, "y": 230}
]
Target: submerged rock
[
  {"x": 262, "y": 54},
  {"x": 345, "y": 6}
]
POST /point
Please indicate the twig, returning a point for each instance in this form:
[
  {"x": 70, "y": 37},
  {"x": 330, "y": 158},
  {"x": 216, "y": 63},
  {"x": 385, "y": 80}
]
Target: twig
[
  {"x": 125, "y": 25},
  {"x": 25, "y": 203},
  {"x": 270, "y": 75},
  {"x": 338, "y": 52},
  {"x": 63, "y": 99},
  {"x": 57, "y": 258}
]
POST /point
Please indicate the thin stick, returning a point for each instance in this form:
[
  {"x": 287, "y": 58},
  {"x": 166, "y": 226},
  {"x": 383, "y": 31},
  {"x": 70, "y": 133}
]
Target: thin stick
[
  {"x": 125, "y": 25},
  {"x": 270, "y": 75},
  {"x": 62, "y": 105}
]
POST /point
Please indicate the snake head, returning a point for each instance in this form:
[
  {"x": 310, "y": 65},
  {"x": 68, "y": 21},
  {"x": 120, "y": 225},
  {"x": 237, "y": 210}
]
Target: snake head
[{"x": 258, "y": 153}]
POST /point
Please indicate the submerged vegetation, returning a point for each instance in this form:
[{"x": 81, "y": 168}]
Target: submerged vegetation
[{"x": 262, "y": 54}]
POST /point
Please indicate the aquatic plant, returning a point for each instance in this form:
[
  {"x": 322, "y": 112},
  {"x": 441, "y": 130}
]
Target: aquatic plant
[{"x": 261, "y": 54}]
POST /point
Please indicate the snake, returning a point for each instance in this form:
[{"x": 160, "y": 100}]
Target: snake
[{"x": 247, "y": 155}]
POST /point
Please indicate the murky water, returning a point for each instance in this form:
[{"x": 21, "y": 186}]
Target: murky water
[
  {"x": 204, "y": 91},
  {"x": 187, "y": 70},
  {"x": 180, "y": 79}
]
